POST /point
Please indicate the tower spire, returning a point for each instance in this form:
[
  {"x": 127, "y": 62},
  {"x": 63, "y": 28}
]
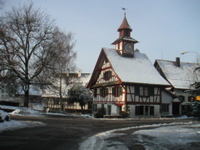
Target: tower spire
[{"x": 125, "y": 43}]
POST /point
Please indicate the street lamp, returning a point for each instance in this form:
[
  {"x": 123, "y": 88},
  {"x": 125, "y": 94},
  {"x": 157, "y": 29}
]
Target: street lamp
[{"x": 182, "y": 53}]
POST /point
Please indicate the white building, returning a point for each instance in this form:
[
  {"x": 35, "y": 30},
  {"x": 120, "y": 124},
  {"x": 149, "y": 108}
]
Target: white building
[{"x": 124, "y": 80}]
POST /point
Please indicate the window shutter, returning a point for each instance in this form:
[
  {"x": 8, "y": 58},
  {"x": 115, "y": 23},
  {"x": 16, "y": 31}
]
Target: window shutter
[
  {"x": 120, "y": 90},
  {"x": 106, "y": 91},
  {"x": 101, "y": 91},
  {"x": 113, "y": 91},
  {"x": 110, "y": 74},
  {"x": 104, "y": 76}
]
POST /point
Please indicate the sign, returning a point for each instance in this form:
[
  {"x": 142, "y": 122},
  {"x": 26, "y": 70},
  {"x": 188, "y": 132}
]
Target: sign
[{"x": 198, "y": 98}]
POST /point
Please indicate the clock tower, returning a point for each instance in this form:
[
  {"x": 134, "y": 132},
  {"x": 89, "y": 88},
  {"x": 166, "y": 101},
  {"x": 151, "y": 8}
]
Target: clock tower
[{"x": 125, "y": 43}]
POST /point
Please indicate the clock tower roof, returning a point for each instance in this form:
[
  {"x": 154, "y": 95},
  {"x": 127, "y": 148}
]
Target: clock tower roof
[
  {"x": 124, "y": 25},
  {"x": 125, "y": 43},
  {"x": 125, "y": 32}
]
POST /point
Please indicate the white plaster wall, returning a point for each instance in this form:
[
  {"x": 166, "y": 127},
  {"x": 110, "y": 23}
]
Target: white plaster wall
[
  {"x": 167, "y": 99},
  {"x": 114, "y": 110},
  {"x": 157, "y": 111},
  {"x": 132, "y": 111}
]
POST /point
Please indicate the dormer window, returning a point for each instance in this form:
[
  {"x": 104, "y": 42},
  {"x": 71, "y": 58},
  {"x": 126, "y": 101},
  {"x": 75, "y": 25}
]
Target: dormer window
[{"x": 107, "y": 75}]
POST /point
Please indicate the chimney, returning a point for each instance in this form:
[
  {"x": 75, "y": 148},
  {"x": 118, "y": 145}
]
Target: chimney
[
  {"x": 79, "y": 72},
  {"x": 178, "y": 62}
]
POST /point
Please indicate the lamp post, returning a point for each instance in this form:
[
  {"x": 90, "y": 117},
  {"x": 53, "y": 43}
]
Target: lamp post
[
  {"x": 182, "y": 53},
  {"x": 197, "y": 55}
]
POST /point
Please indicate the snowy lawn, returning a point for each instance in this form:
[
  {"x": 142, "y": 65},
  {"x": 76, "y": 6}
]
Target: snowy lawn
[{"x": 14, "y": 125}]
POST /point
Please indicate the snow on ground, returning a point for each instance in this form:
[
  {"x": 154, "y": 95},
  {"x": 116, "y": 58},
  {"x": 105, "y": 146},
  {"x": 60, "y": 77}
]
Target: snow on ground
[
  {"x": 177, "y": 132},
  {"x": 170, "y": 137},
  {"x": 14, "y": 125}
]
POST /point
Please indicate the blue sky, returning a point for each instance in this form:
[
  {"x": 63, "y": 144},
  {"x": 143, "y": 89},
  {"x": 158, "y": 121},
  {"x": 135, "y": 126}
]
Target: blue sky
[{"x": 163, "y": 28}]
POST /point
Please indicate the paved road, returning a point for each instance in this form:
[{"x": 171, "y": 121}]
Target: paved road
[{"x": 62, "y": 133}]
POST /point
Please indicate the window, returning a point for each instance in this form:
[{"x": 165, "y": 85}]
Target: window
[
  {"x": 116, "y": 91},
  {"x": 191, "y": 99},
  {"x": 139, "y": 110},
  {"x": 109, "y": 109},
  {"x": 151, "y": 110},
  {"x": 144, "y": 110},
  {"x": 107, "y": 75},
  {"x": 165, "y": 108},
  {"x": 144, "y": 91},
  {"x": 104, "y": 92}
]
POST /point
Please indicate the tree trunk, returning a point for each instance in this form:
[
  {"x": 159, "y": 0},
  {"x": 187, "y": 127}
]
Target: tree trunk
[
  {"x": 82, "y": 104},
  {"x": 26, "y": 98},
  {"x": 26, "y": 95}
]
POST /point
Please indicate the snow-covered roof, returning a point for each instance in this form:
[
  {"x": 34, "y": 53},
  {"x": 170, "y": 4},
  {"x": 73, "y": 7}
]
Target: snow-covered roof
[
  {"x": 180, "y": 77},
  {"x": 51, "y": 92},
  {"x": 33, "y": 90},
  {"x": 137, "y": 69}
]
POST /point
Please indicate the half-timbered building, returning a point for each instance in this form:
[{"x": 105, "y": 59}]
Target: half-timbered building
[
  {"x": 182, "y": 77},
  {"x": 125, "y": 80}
]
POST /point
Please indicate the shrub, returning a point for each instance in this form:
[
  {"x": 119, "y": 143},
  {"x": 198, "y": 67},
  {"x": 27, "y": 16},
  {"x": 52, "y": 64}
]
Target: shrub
[
  {"x": 100, "y": 113},
  {"x": 124, "y": 114}
]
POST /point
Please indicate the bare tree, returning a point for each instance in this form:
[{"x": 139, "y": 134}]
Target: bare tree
[
  {"x": 64, "y": 60},
  {"x": 29, "y": 47}
]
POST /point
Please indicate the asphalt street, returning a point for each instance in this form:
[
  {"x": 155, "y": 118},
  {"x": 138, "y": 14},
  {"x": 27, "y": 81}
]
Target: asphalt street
[{"x": 61, "y": 133}]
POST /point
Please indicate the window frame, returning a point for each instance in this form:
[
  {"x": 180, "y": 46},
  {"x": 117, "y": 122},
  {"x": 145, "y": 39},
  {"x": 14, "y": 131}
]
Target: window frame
[
  {"x": 107, "y": 75},
  {"x": 117, "y": 91},
  {"x": 104, "y": 92},
  {"x": 144, "y": 110}
]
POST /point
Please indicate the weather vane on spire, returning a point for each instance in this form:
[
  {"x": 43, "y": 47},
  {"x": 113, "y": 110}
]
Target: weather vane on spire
[{"x": 124, "y": 9}]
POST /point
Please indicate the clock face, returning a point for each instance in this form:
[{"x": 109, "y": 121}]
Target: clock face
[{"x": 128, "y": 48}]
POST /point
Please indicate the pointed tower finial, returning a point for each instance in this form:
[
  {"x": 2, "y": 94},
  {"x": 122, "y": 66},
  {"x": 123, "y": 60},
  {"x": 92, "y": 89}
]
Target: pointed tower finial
[{"x": 124, "y": 9}]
